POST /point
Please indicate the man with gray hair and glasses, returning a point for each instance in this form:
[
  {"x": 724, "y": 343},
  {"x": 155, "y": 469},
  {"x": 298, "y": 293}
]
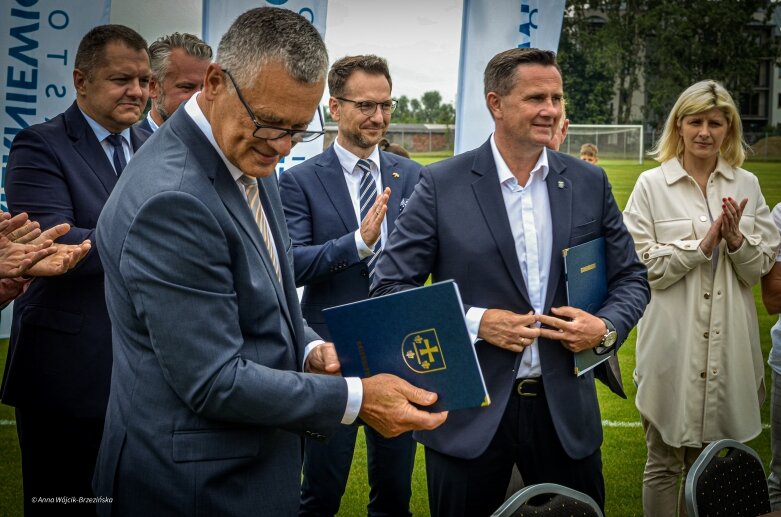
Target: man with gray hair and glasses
[
  {"x": 179, "y": 63},
  {"x": 216, "y": 377}
]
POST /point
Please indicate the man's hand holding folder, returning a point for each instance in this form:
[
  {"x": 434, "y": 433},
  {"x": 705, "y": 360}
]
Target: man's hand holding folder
[{"x": 387, "y": 404}]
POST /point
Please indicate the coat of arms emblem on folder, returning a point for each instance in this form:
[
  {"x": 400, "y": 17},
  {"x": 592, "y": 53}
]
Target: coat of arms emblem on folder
[{"x": 422, "y": 351}]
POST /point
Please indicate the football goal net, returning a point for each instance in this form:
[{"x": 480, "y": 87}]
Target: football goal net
[{"x": 615, "y": 142}]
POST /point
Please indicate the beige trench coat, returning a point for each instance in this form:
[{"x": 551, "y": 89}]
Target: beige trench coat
[{"x": 700, "y": 371}]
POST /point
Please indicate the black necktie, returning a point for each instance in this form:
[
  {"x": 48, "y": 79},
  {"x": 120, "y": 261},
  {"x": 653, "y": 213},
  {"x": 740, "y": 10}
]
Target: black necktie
[
  {"x": 119, "y": 153},
  {"x": 367, "y": 195}
]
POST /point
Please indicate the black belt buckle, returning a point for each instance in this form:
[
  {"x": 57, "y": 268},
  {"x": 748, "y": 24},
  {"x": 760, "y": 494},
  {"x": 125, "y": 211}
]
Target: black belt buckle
[{"x": 528, "y": 387}]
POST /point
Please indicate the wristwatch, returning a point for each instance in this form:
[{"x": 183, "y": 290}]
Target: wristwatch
[{"x": 609, "y": 339}]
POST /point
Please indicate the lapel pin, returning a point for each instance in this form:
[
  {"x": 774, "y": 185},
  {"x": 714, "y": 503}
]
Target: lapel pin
[
  {"x": 560, "y": 184},
  {"x": 395, "y": 175}
]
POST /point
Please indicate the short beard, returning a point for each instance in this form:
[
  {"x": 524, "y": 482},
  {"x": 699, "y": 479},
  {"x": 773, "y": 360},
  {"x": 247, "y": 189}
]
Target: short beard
[
  {"x": 358, "y": 139},
  {"x": 159, "y": 103}
]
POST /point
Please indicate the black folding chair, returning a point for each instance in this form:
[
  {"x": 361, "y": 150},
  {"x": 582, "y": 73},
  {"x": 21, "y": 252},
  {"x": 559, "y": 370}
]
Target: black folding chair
[
  {"x": 727, "y": 479},
  {"x": 548, "y": 500}
]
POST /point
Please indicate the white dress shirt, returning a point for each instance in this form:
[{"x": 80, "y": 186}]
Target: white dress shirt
[
  {"x": 353, "y": 175},
  {"x": 152, "y": 122},
  {"x": 354, "y": 386},
  {"x": 528, "y": 209}
]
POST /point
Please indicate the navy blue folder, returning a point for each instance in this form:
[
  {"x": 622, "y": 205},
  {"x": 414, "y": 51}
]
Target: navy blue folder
[
  {"x": 419, "y": 335},
  {"x": 586, "y": 276}
]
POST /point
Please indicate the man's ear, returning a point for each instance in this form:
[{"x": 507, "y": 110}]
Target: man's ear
[
  {"x": 79, "y": 78},
  {"x": 333, "y": 108},
  {"x": 214, "y": 83},
  {"x": 154, "y": 86},
  {"x": 494, "y": 103}
]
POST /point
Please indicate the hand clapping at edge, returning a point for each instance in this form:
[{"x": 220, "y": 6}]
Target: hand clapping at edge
[{"x": 20, "y": 245}]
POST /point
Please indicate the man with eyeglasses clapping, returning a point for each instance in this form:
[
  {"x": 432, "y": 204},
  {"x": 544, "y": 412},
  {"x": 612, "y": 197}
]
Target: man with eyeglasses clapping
[{"x": 340, "y": 206}]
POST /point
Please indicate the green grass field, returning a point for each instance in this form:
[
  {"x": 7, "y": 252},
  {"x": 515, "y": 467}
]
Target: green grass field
[{"x": 623, "y": 451}]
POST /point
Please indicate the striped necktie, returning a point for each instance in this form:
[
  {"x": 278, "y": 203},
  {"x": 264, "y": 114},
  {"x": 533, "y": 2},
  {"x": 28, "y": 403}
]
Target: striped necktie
[
  {"x": 367, "y": 193},
  {"x": 115, "y": 140},
  {"x": 253, "y": 200}
]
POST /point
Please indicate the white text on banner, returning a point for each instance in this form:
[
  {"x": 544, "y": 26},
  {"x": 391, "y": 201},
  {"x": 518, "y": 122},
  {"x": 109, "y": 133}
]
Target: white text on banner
[{"x": 39, "y": 41}]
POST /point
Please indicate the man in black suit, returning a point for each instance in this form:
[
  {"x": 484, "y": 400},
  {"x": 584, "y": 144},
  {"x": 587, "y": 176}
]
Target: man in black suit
[
  {"x": 338, "y": 222},
  {"x": 59, "y": 360},
  {"x": 496, "y": 220},
  {"x": 179, "y": 63}
]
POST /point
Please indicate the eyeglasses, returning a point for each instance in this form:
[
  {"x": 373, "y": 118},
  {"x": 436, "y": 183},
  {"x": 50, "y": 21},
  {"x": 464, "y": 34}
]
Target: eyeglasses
[
  {"x": 369, "y": 107},
  {"x": 267, "y": 132}
]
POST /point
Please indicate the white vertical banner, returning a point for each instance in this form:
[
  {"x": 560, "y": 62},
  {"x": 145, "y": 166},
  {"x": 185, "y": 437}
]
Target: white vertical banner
[
  {"x": 487, "y": 29},
  {"x": 218, "y": 15},
  {"x": 39, "y": 39}
]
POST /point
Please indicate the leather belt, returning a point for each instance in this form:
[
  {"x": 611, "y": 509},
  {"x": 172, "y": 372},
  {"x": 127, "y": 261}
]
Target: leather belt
[{"x": 528, "y": 387}]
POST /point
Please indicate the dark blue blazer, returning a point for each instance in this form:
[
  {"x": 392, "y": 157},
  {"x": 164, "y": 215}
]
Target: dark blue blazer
[
  {"x": 456, "y": 226},
  {"x": 144, "y": 126},
  {"x": 322, "y": 224},
  {"x": 59, "y": 357}
]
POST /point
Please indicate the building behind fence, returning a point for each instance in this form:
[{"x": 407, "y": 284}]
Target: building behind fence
[{"x": 415, "y": 138}]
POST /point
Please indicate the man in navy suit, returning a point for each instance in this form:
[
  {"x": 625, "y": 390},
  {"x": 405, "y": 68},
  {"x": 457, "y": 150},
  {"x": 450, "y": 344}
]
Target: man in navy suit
[
  {"x": 179, "y": 63},
  {"x": 59, "y": 360},
  {"x": 334, "y": 251},
  {"x": 496, "y": 220},
  {"x": 216, "y": 376}
]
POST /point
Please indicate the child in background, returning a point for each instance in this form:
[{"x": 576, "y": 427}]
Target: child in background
[{"x": 588, "y": 153}]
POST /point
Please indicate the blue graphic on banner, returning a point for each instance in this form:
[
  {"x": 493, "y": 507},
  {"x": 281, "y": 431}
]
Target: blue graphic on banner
[
  {"x": 527, "y": 14},
  {"x": 219, "y": 15},
  {"x": 41, "y": 38},
  {"x": 489, "y": 28}
]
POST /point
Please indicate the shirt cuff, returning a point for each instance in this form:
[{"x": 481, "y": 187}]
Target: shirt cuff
[
  {"x": 363, "y": 249},
  {"x": 473, "y": 317},
  {"x": 354, "y": 400},
  {"x": 311, "y": 346}
]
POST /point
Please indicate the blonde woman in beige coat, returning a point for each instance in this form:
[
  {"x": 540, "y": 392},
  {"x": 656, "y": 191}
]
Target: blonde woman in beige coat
[{"x": 703, "y": 229}]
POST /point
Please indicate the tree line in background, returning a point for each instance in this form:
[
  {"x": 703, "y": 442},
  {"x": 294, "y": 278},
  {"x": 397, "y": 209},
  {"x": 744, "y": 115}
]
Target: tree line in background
[
  {"x": 429, "y": 109},
  {"x": 610, "y": 49}
]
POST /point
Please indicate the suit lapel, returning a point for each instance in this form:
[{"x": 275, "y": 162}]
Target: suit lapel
[
  {"x": 138, "y": 137},
  {"x": 329, "y": 171},
  {"x": 86, "y": 144},
  {"x": 236, "y": 204},
  {"x": 560, "y": 196},
  {"x": 272, "y": 208},
  {"x": 387, "y": 169},
  {"x": 489, "y": 197},
  {"x": 234, "y": 201}
]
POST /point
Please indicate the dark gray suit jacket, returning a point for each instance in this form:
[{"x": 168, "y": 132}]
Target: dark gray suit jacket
[
  {"x": 207, "y": 403},
  {"x": 456, "y": 226}
]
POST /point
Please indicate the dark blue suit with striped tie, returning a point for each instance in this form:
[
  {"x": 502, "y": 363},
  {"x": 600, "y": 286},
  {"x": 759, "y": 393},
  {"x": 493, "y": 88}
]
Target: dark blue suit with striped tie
[{"x": 322, "y": 223}]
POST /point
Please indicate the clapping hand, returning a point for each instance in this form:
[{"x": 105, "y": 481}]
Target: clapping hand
[
  {"x": 21, "y": 245},
  {"x": 371, "y": 226},
  {"x": 731, "y": 212},
  {"x": 59, "y": 257}
]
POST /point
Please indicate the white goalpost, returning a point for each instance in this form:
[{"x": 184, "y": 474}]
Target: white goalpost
[{"x": 615, "y": 142}]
